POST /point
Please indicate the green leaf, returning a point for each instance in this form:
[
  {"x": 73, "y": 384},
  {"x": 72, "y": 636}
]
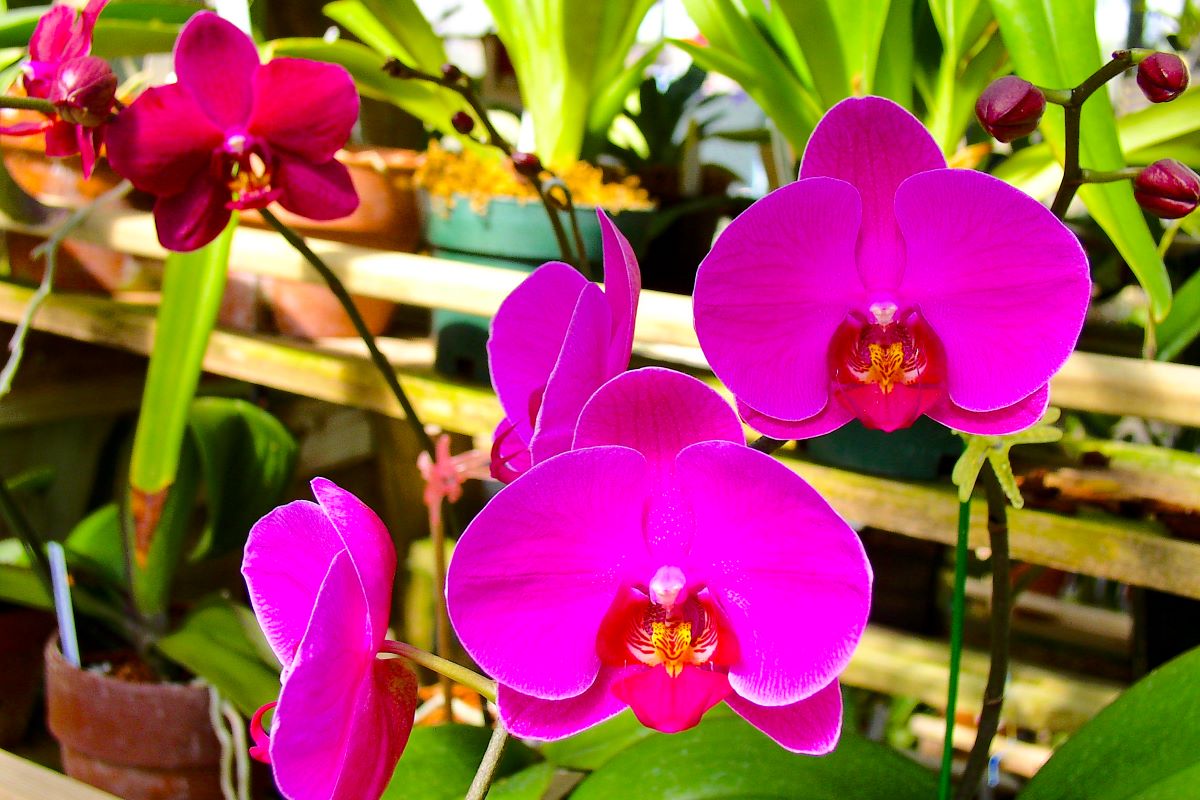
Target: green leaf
[
  {"x": 1130, "y": 750},
  {"x": 247, "y": 458},
  {"x": 596, "y": 746},
  {"x": 725, "y": 758},
  {"x": 96, "y": 544},
  {"x": 212, "y": 644},
  {"x": 439, "y": 762},
  {"x": 1182, "y": 325},
  {"x": 820, "y": 40},
  {"x": 611, "y": 100},
  {"x": 530, "y": 783},
  {"x": 1032, "y": 30},
  {"x": 191, "y": 295},
  {"x": 19, "y": 584}
]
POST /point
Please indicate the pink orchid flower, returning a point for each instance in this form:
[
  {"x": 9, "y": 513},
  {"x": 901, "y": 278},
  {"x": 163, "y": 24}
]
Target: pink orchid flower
[
  {"x": 554, "y": 341},
  {"x": 883, "y": 286},
  {"x": 320, "y": 578},
  {"x": 58, "y": 56},
  {"x": 664, "y": 566},
  {"x": 235, "y": 134}
]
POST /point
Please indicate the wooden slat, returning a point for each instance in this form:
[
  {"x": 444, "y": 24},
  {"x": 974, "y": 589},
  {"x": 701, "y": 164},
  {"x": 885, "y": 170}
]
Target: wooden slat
[
  {"x": 1117, "y": 549},
  {"x": 24, "y": 780},
  {"x": 1089, "y": 382}
]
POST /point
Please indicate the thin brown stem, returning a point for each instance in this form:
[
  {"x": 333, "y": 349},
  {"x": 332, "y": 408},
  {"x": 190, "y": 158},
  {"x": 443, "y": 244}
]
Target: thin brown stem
[
  {"x": 1001, "y": 614},
  {"x": 437, "y": 536},
  {"x": 487, "y": 767}
]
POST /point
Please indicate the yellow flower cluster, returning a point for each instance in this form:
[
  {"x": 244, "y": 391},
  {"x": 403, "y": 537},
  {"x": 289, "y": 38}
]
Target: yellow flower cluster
[{"x": 479, "y": 178}]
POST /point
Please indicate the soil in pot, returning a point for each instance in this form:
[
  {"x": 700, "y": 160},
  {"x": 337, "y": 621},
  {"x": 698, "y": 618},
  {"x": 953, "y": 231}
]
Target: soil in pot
[
  {"x": 137, "y": 739},
  {"x": 23, "y": 631}
]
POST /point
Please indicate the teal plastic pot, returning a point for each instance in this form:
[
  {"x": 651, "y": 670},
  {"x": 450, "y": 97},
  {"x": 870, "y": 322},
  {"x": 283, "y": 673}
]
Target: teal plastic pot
[
  {"x": 511, "y": 234},
  {"x": 922, "y": 451}
]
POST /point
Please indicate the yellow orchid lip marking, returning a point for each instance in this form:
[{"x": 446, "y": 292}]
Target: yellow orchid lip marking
[{"x": 667, "y": 637}]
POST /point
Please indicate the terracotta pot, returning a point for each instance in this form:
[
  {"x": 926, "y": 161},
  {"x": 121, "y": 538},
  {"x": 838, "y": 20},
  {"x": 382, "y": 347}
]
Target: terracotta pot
[
  {"x": 23, "y": 631},
  {"x": 54, "y": 181},
  {"x": 140, "y": 741},
  {"x": 311, "y": 311}
]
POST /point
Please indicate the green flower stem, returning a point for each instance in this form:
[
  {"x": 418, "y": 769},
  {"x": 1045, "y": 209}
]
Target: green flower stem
[
  {"x": 487, "y": 767},
  {"x": 29, "y": 104},
  {"x": 957, "y": 614},
  {"x": 1072, "y": 109},
  {"x": 1100, "y": 176},
  {"x": 1001, "y": 614},
  {"x": 765, "y": 444},
  {"x": 455, "y": 672}
]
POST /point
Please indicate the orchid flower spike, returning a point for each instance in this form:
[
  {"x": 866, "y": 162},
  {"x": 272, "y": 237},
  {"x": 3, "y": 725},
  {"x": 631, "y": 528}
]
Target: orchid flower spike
[
  {"x": 554, "y": 341},
  {"x": 882, "y": 286},
  {"x": 664, "y": 566},
  {"x": 235, "y": 134},
  {"x": 320, "y": 578}
]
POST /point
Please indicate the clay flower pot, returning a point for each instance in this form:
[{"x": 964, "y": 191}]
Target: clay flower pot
[{"x": 140, "y": 741}]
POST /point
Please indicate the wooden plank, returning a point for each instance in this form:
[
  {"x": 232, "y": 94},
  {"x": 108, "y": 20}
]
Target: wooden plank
[
  {"x": 1112, "y": 548},
  {"x": 24, "y": 780},
  {"x": 1089, "y": 382},
  {"x": 1017, "y": 757}
]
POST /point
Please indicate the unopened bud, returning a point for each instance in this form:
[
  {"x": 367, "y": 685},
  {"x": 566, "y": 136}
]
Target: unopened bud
[
  {"x": 462, "y": 122},
  {"x": 1167, "y": 189},
  {"x": 528, "y": 164},
  {"x": 1162, "y": 77},
  {"x": 83, "y": 91},
  {"x": 1010, "y": 107},
  {"x": 451, "y": 73}
]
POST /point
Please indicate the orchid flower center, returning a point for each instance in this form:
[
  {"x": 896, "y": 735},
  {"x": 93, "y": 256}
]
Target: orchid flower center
[
  {"x": 886, "y": 366},
  {"x": 246, "y": 167}
]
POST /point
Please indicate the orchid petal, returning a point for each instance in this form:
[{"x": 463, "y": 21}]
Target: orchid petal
[
  {"x": 812, "y": 725},
  {"x": 874, "y": 145},
  {"x": 88, "y": 17},
  {"x": 1010, "y": 419},
  {"x": 532, "y": 718},
  {"x": 999, "y": 279},
  {"x": 194, "y": 217},
  {"x": 370, "y": 546},
  {"x": 162, "y": 142},
  {"x": 526, "y": 338},
  {"x": 622, "y": 285},
  {"x": 672, "y": 704},
  {"x": 56, "y": 37},
  {"x": 776, "y": 285},
  {"x": 657, "y": 412},
  {"x": 830, "y": 418},
  {"x": 312, "y": 123},
  {"x": 61, "y": 140},
  {"x": 535, "y": 572},
  {"x": 581, "y": 369},
  {"x": 216, "y": 64},
  {"x": 788, "y": 573},
  {"x": 317, "y": 191},
  {"x": 288, "y": 554}
]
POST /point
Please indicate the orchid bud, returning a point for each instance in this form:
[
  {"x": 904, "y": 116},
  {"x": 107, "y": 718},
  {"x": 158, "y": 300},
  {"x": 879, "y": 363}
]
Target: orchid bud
[
  {"x": 1162, "y": 77},
  {"x": 83, "y": 91},
  {"x": 462, "y": 122},
  {"x": 528, "y": 164},
  {"x": 1010, "y": 107},
  {"x": 451, "y": 73},
  {"x": 1167, "y": 189}
]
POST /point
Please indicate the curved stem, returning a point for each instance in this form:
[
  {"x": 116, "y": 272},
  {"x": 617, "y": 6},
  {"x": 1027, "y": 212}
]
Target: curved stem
[
  {"x": 487, "y": 767},
  {"x": 1001, "y": 612},
  {"x": 455, "y": 672},
  {"x": 957, "y": 614},
  {"x": 29, "y": 104},
  {"x": 765, "y": 444}
]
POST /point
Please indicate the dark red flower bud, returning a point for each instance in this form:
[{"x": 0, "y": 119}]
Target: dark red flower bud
[
  {"x": 83, "y": 91},
  {"x": 451, "y": 73},
  {"x": 462, "y": 122},
  {"x": 1167, "y": 189},
  {"x": 528, "y": 164},
  {"x": 1010, "y": 107},
  {"x": 1162, "y": 77}
]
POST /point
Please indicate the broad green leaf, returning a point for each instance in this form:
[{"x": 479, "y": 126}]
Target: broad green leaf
[
  {"x": 96, "y": 544},
  {"x": 894, "y": 68},
  {"x": 1142, "y": 747},
  {"x": 117, "y": 38},
  {"x": 191, "y": 295},
  {"x": 19, "y": 584},
  {"x": 594, "y": 747},
  {"x": 246, "y": 458},
  {"x": 725, "y": 758},
  {"x": 1182, "y": 325},
  {"x": 820, "y": 41},
  {"x": 407, "y": 25},
  {"x": 1041, "y": 53},
  {"x": 212, "y": 644},
  {"x": 611, "y": 100},
  {"x": 439, "y": 763},
  {"x": 530, "y": 783}
]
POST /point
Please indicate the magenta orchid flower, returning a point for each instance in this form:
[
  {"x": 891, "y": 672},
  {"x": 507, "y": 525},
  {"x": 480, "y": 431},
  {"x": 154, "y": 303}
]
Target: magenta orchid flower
[
  {"x": 58, "y": 64},
  {"x": 883, "y": 286},
  {"x": 320, "y": 578},
  {"x": 235, "y": 134},
  {"x": 554, "y": 341},
  {"x": 664, "y": 566}
]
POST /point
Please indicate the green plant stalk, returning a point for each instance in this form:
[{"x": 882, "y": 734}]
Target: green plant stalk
[
  {"x": 34, "y": 546},
  {"x": 193, "y": 284},
  {"x": 29, "y": 104},
  {"x": 442, "y": 666},
  {"x": 957, "y": 615},
  {"x": 487, "y": 767}
]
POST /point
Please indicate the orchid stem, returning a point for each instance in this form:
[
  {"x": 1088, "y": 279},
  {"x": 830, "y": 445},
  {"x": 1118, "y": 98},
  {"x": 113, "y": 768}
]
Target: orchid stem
[
  {"x": 487, "y": 767},
  {"x": 957, "y": 614},
  {"x": 29, "y": 104},
  {"x": 437, "y": 535},
  {"x": 442, "y": 666},
  {"x": 765, "y": 444},
  {"x": 1001, "y": 611}
]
